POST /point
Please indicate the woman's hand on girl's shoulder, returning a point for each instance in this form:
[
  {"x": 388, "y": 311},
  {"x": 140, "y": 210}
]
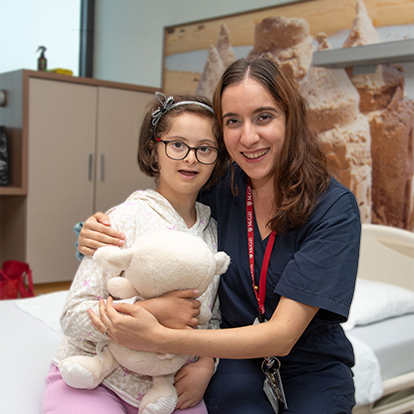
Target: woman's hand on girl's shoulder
[{"x": 97, "y": 232}]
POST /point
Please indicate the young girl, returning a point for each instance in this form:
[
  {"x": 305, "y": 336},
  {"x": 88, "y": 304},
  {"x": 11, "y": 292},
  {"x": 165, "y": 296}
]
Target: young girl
[{"x": 178, "y": 144}]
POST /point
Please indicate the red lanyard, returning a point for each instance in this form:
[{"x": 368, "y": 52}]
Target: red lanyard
[{"x": 250, "y": 239}]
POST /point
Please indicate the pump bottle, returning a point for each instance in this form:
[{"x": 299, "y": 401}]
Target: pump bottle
[{"x": 42, "y": 61}]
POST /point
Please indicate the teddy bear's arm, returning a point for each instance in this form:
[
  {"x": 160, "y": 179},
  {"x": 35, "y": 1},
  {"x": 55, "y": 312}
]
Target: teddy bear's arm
[
  {"x": 209, "y": 310},
  {"x": 205, "y": 315},
  {"x": 121, "y": 288},
  {"x": 205, "y": 309},
  {"x": 215, "y": 320}
]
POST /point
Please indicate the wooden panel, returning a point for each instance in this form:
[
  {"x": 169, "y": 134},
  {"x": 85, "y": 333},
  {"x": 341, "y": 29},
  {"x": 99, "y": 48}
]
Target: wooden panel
[
  {"x": 327, "y": 16},
  {"x": 61, "y": 136},
  {"x": 181, "y": 82},
  {"x": 120, "y": 113}
]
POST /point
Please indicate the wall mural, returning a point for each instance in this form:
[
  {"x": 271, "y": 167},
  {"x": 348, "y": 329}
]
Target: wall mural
[{"x": 364, "y": 121}]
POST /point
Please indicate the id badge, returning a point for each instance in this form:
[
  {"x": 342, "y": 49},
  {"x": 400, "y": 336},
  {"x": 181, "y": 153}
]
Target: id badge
[
  {"x": 271, "y": 396},
  {"x": 257, "y": 321},
  {"x": 273, "y": 386}
]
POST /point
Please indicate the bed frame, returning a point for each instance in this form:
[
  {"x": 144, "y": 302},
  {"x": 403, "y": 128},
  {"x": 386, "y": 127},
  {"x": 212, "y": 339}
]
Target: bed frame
[{"x": 387, "y": 255}]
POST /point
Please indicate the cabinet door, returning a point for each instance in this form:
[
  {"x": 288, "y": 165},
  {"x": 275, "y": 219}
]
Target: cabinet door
[
  {"x": 120, "y": 114},
  {"x": 62, "y": 133}
]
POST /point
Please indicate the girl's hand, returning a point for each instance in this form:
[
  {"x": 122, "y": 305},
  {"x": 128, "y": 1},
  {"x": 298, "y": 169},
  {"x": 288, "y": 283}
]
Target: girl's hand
[
  {"x": 97, "y": 232},
  {"x": 191, "y": 382},
  {"x": 177, "y": 309},
  {"x": 128, "y": 325}
]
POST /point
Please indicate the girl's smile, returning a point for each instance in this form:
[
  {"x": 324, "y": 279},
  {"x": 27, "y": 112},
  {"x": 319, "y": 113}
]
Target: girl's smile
[{"x": 188, "y": 173}]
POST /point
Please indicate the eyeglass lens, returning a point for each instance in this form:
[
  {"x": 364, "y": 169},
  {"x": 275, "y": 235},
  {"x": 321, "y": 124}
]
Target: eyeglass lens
[{"x": 179, "y": 150}]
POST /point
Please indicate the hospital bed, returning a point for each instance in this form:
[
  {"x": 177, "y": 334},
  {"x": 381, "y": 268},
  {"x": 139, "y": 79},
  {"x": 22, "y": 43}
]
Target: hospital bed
[
  {"x": 381, "y": 322},
  {"x": 380, "y": 327}
]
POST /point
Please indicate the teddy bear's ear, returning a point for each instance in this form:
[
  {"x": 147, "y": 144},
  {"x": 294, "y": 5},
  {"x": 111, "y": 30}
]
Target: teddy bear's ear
[
  {"x": 112, "y": 258},
  {"x": 222, "y": 262}
]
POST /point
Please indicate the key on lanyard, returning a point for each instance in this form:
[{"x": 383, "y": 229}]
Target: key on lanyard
[{"x": 273, "y": 386}]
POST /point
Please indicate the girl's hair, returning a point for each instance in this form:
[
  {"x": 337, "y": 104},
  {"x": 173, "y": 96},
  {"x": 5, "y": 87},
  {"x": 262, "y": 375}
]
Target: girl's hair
[
  {"x": 301, "y": 175},
  {"x": 147, "y": 153}
]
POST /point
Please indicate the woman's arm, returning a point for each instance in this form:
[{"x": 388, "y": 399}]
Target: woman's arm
[
  {"x": 135, "y": 328},
  {"x": 97, "y": 232}
]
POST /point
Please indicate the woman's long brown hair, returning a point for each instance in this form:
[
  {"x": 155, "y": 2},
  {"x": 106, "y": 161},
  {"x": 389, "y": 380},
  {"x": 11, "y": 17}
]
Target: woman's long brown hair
[{"x": 301, "y": 175}]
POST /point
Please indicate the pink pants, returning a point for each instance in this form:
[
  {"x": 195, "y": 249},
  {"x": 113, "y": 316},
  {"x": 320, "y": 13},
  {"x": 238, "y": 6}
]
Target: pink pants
[{"x": 59, "y": 398}]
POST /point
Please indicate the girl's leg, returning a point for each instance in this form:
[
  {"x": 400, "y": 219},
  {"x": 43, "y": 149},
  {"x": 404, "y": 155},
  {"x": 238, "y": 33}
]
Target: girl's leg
[
  {"x": 59, "y": 398},
  {"x": 237, "y": 388}
]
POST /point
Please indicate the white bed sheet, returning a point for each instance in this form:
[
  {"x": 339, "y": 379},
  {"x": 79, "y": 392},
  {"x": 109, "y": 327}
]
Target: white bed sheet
[
  {"x": 367, "y": 373},
  {"x": 392, "y": 341},
  {"x": 26, "y": 349}
]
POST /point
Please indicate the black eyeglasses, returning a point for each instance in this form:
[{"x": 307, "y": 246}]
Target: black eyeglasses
[{"x": 177, "y": 150}]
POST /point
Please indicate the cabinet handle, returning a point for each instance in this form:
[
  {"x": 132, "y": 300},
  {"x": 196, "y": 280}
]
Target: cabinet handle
[
  {"x": 90, "y": 164},
  {"x": 102, "y": 167}
]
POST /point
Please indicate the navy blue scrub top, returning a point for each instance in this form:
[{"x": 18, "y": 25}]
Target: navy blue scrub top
[{"x": 315, "y": 264}]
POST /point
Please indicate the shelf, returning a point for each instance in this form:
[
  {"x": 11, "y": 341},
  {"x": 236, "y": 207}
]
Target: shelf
[
  {"x": 12, "y": 190},
  {"x": 364, "y": 58}
]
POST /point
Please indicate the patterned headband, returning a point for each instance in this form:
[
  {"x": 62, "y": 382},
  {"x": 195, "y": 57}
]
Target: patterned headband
[{"x": 168, "y": 103}]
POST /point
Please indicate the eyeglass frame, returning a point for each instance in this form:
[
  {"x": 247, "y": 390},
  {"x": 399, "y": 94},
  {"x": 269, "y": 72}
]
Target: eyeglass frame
[{"x": 195, "y": 149}]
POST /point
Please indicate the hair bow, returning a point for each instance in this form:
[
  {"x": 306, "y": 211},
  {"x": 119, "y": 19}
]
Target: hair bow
[{"x": 166, "y": 104}]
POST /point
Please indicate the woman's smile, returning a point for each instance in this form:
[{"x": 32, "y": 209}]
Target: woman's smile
[{"x": 256, "y": 154}]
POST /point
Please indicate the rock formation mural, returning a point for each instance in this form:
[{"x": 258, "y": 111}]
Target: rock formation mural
[
  {"x": 391, "y": 118},
  {"x": 344, "y": 132},
  {"x": 219, "y": 57},
  {"x": 365, "y": 121}
]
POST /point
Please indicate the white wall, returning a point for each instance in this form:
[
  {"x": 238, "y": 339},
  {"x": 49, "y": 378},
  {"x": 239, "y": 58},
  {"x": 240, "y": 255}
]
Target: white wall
[
  {"x": 27, "y": 24},
  {"x": 129, "y": 34}
]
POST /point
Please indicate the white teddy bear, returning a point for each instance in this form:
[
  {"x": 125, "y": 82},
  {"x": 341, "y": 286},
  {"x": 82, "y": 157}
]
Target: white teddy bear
[{"x": 157, "y": 263}]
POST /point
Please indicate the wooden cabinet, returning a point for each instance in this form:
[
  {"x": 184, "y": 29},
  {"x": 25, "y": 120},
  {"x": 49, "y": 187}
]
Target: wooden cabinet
[{"x": 74, "y": 145}]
